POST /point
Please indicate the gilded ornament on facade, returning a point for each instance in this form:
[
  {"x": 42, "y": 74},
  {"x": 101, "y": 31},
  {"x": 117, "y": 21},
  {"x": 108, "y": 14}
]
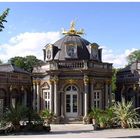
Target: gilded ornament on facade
[
  {"x": 108, "y": 82},
  {"x": 86, "y": 79},
  {"x": 50, "y": 81},
  {"x": 55, "y": 79},
  {"x": 34, "y": 81},
  {"x": 71, "y": 81}
]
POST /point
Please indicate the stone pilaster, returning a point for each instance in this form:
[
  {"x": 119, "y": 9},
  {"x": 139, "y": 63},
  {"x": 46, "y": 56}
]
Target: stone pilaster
[
  {"x": 38, "y": 96},
  {"x": 62, "y": 104},
  {"x": 110, "y": 93},
  {"x": 34, "y": 95},
  {"x": 51, "y": 97},
  {"x": 56, "y": 95},
  {"x": 86, "y": 92},
  {"x": 106, "y": 94}
]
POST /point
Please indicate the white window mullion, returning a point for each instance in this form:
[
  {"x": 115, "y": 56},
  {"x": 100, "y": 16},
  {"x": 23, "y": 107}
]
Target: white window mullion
[
  {"x": 46, "y": 94},
  {"x": 97, "y": 98}
]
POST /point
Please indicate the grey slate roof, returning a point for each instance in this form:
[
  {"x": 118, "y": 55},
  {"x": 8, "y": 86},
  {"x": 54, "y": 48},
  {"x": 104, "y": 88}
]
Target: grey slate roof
[
  {"x": 81, "y": 44},
  {"x": 11, "y": 68}
]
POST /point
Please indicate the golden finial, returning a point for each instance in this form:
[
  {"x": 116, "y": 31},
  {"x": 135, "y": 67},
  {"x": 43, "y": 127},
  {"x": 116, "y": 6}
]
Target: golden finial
[
  {"x": 72, "y": 25},
  {"x": 72, "y": 30}
]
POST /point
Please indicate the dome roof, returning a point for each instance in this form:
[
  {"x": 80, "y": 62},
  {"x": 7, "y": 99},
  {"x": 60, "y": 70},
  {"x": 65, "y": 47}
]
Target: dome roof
[
  {"x": 70, "y": 43},
  {"x": 72, "y": 47}
]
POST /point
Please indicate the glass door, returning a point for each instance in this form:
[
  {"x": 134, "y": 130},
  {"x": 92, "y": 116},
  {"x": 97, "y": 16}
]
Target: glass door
[{"x": 71, "y": 105}]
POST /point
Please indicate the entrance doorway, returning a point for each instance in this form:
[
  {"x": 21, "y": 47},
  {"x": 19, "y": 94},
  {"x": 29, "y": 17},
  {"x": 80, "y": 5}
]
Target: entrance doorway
[{"x": 71, "y": 99}]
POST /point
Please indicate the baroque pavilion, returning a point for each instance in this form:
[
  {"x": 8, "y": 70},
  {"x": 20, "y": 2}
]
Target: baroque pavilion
[{"x": 73, "y": 78}]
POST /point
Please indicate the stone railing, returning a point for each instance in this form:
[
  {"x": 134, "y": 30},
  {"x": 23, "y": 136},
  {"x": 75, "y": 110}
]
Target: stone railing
[
  {"x": 78, "y": 65},
  {"x": 71, "y": 65}
]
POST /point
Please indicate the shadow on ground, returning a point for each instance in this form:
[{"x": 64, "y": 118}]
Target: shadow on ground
[
  {"x": 50, "y": 133},
  {"x": 129, "y": 137}
]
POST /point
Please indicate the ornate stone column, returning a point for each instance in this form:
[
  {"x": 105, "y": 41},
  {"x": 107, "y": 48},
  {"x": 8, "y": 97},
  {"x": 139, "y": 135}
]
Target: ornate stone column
[
  {"x": 86, "y": 102},
  {"x": 56, "y": 95},
  {"x": 62, "y": 104},
  {"x": 38, "y": 96},
  {"x": 106, "y": 94},
  {"x": 34, "y": 95},
  {"x": 110, "y": 94},
  {"x": 51, "y": 97}
]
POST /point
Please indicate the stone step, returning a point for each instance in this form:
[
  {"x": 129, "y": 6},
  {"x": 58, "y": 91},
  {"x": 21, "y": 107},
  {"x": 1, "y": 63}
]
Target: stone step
[{"x": 73, "y": 121}]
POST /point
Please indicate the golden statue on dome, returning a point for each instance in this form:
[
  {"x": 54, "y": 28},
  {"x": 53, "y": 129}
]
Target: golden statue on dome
[{"x": 72, "y": 30}]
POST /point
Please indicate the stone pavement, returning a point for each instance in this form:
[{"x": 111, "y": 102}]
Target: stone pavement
[{"x": 81, "y": 131}]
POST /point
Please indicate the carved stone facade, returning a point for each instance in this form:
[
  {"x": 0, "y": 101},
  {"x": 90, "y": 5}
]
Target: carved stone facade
[
  {"x": 15, "y": 86},
  {"x": 73, "y": 79},
  {"x": 128, "y": 84}
]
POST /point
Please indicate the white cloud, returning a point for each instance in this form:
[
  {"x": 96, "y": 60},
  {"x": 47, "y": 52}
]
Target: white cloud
[
  {"x": 118, "y": 60},
  {"x": 32, "y": 44},
  {"x": 27, "y": 44}
]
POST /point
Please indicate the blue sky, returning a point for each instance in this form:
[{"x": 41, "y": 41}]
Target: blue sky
[{"x": 114, "y": 26}]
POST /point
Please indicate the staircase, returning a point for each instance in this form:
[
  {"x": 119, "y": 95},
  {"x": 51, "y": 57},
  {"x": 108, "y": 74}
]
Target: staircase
[{"x": 72, "y": 120}]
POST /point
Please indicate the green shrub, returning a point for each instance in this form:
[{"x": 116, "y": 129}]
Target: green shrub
[{"x": 125, "y": 114}]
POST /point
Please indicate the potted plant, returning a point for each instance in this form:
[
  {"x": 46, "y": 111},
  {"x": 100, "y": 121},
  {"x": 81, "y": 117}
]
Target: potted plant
[
  {"x": 47, "y": 116},
  {"x": 102, "y": 121},
  {"x": 94, "y": 115},
  {"x": 15, "y": 115},
  {"x": 110, "y": 117},
  {"x": 125, "y": 114}
]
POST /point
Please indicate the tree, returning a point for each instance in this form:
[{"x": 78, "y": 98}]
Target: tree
[
  {"x": 0, "y": 62},
  {"x": 27, "y": 63},
  {"x": 134, "y": 56},
  {"x": 18, "y": 61},
  {"x": 30, "y": 62},
  {"x": 2, "y": 18},
  {"x": 114, "y": 80}
]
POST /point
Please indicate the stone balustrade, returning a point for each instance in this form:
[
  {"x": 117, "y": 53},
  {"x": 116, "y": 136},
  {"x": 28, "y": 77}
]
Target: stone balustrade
[{"x": 83, "y": 64}]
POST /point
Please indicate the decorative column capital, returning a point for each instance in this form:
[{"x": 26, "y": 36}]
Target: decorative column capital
[
  {"x": 108, "y": 82},
  {"x": 55, "y": 79},
  {"x": 34, "y": 82},
  {"x": 11, "y": 88},
  {"x": 71, "y": 81},
  {"x": 86, "y": 79},
  {"x": 22, "y": 88},
  {"x": 50, "y": 81},
  {"x": 134, "y": 87}
]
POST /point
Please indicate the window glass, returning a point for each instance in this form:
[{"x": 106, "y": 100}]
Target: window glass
[
  {"x": 68, "y": 88},
  {"x": 68, "y": 103},
  {"x": 96, "y": 99},
  {"x": 74, "y": 103},
  {"x": 46, "y": 94},
  {"x": 74, "y": 88}
]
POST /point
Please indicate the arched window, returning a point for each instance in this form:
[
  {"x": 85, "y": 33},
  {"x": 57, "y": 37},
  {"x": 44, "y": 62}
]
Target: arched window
[{"x": 71, "y": 88}]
